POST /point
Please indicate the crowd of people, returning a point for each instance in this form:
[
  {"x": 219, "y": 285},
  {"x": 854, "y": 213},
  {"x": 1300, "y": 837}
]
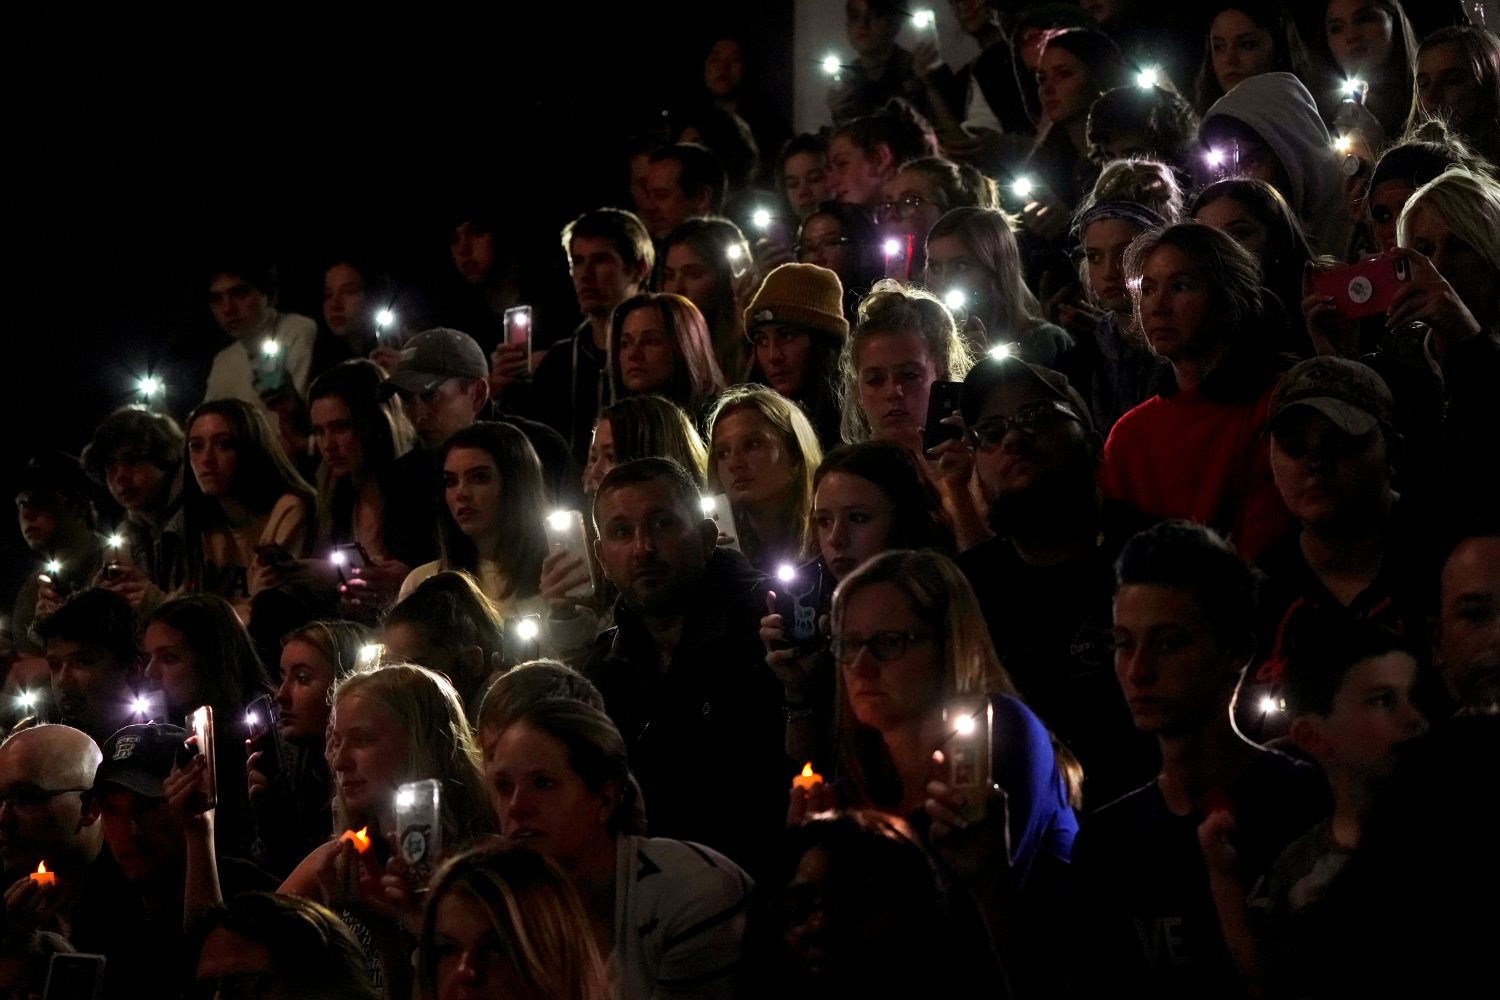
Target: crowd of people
[{"x": 1039, "y": 534}]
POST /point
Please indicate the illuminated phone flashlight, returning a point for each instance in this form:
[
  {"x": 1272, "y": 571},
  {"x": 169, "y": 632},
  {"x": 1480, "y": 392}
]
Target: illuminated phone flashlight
[
  {"x": 252, "y": 720},
  {"x": 1355, "y": 89},
  {"x": 270, "y": 348},
  {"x": 1022, "y": 187},
  {"x": 406, "y": 798},
  {"x": 527, "y": 628},
  {"x": 923, "y": 19},
  {"x": 786, "y": 572},
  {"x": 892, "y": 247},
  {"x": 385, "y": 319},
  {"x": 831, "y": 65},
  {"x": 1148, "y": 77},
  {"x": 1343, "y": 144},
  {"x": 371, "y": 652},
  {"x": 1000, "y": 352},
  {"x": 956, "y": 299},
  {"x": 1214, "y": 157},
  {"x": 26, "y": 700},
  {"x": 336, "y": 557},
  {"x": 149, "y": 385},
  {"x": 140, "y": 705},
  {"x": 559, "y": 520},
  {"x": 1269, "y": 705},
  {"x": 708, "y": 506},
  {"x": 54, "y": 566},
  {"x": 734, "y": 252},
  {"x": 761, "y": 219},
  {"x": 115, "y": 541},
  {"x": 964, "y": 725}
]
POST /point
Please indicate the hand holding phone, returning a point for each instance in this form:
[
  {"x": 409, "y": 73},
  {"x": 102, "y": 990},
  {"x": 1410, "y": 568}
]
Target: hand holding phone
[
  {"x": 942, "y": 400},
  {"x": 200, "y": 724},
  {"x": 261, "y": 736},
  {"x": 802, "y": 598},
  {"x": 968, "y": 723},
  {"x": 717, "y": 509},
  {"x": 1362, "y": 289},
  {"x": 419, "y": 828},
  {"x": 565, "y": 533}
]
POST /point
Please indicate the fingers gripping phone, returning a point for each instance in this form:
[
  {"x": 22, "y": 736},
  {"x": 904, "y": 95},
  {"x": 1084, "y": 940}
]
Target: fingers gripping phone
[
  {"x": 565, "y": 533},
  {"x": 419, "y": 827},
  {"x": 260, "y": 730},
  {"x": 942, "y": 400},
  {"x": 1365, "y": 288},
  {"x": 802, "y": 596},
  {"x": 201, "y": 725},
  {"x": 518, "y": 329},
  {"x": 969, "y": 724}
]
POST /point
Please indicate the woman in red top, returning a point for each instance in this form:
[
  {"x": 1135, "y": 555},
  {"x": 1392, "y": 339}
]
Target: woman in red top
[{"x": 1198, "y": 450}]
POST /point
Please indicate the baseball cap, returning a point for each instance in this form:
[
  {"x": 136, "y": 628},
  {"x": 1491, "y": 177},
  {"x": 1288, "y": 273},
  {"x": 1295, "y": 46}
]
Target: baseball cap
[
  {"x": 991, "y": 373},
  {"x": 804, "y": 295},
  {"x": 434, "y": 356},
  {"x": 140, "y": 757},
  {"x": 1352, "y": 395}
]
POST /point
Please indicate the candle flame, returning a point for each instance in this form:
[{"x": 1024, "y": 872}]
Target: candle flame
[
  {"x": 41, "y": 868},
  {"x": 807, "y": 771}
]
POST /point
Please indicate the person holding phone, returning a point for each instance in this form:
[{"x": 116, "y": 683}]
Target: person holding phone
[
  {"x": 390, "y": 725},
  {"x": 286, "y": 773},
  {"x": 909, "y": 638},
  {"x": 659, "y": 345},
  {"x": 762, "y": 453},
  {"x": 369, "y": 493},
  {"x": 973, "y": 261},
  {"x": 197, "y": 653},
  {"x": 867, "y": 499},
  {"x": 240, "y": 492},
  {"x": 667, "y": 911},
  {"x": 1077, "y": 66}
]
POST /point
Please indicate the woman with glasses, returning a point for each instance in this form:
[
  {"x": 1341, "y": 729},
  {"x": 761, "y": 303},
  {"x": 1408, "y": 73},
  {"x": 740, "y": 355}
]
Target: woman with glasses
[
  {"x": 842, "y": 238},
  {"x": 909, "y": 640},
  {"x": 974, "y": 266},
  {"x": 918, "y": 195}
]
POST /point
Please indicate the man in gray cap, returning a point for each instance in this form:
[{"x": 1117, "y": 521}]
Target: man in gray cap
[
  {"x": 443, "y": 382},
  {"x": 1045, "y": 582}
]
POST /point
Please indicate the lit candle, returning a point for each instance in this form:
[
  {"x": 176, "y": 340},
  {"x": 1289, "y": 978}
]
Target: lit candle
[
  {"x": 808, "y": 779},
  {"x": 42, "y": 876},
  {"x": 360, "y": 838}
]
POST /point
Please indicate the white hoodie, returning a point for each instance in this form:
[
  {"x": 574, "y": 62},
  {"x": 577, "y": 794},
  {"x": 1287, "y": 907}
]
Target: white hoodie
[{"x": 1278, "y": 108}]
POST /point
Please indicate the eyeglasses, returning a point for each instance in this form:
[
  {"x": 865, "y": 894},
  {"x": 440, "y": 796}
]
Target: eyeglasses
[
  {"x": 30, "y": 796},
  {"x": 805, "y": 250},
  {"x": 890, "y": 211},
  {"x": 883, "y": 646},
  {"x": 1028, "y": 419}
]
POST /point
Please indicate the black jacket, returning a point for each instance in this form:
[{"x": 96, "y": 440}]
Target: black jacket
[{"x": 705, "y": 736}]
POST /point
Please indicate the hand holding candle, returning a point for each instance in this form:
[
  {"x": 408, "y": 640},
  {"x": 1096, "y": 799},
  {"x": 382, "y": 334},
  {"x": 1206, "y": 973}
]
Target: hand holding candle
[
  {"x": 808, "y": 779},
  {"x": 360, "y": 838},
  {"x": 43, "y": 877}
]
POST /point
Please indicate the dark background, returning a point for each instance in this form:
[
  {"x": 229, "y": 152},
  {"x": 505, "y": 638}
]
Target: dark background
[{"x": 140, "y": 142}]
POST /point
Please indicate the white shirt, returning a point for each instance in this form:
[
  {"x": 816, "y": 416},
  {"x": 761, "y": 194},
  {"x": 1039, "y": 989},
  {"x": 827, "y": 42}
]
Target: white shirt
[{"x": 233, "y": 373}]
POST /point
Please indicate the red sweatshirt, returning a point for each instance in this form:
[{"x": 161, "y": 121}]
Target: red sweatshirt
[{"x": 1199, "y": 459}]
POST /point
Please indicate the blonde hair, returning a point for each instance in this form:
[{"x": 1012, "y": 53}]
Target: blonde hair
[
  {"x": 892, "y": 307},
  {"x": 440, "y": 745},
  {"x": 940, "y": 597},
  {"x": 1140, "y": 180},
  {"x": 1469, "y": 203},
  {"x": 536, "y": 913},
  {"x": 797, "y": 435}
]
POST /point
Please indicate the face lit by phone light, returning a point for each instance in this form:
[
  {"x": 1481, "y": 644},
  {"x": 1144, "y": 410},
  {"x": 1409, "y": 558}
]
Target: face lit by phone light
[
  {"x": 895, "y": 372},
  {"x": 304, "y": 677},
  {"x": 367, "y": 750},
  {"x": 1176, "y": 306},
  {"x": 1472, "y": 277},
  {"x": 172, "y": 668},
  {"x": 471, "y": 489},
  {"x": 750, "y": 457},
  {"x": 601, "y": 457},
  {"x": 345, "y": 306},
  {"x": 212, "y": 454},
  {"x": 854, "y": 518},
  {"x": 898, "y": 691},
  {"x": 335, "y": 436}
]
